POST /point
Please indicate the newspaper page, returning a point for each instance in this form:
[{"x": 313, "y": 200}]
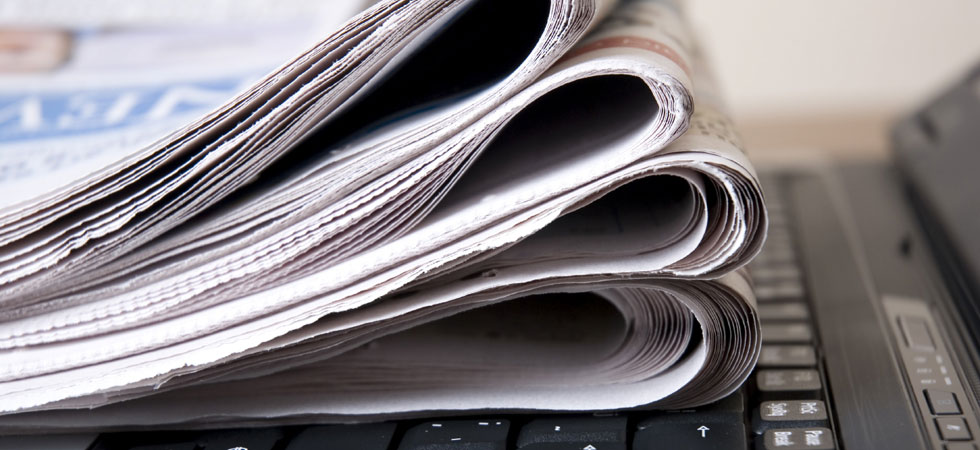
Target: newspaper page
[
  {"x": 594, "y": 168},
  {"x": 92, "y": 82}
]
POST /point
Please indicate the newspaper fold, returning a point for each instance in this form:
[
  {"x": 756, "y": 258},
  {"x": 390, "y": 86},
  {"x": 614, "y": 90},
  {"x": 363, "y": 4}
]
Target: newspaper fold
[{"x": 329, "y": 229}]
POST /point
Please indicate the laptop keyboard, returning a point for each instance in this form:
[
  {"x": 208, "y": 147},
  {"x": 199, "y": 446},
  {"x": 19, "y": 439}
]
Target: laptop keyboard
[
  {"x": 783, "y": 405},
  {"x": 790, "y": 405}
]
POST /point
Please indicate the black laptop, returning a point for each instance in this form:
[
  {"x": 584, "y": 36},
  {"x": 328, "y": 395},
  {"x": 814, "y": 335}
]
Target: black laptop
[{"x": 869, "y": 295}]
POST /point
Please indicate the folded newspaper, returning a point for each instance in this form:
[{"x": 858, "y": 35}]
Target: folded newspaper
[{"x": 445, "y": 205}]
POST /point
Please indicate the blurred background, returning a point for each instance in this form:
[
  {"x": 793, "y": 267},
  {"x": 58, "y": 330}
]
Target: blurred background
[{"x": 832, "y": 74}]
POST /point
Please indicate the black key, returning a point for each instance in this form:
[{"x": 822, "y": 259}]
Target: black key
[
  {"x": 574, "y": 433},
  {"x": 48, "y": 442},
  {"x": 690, "y": 431},
  {"x": 787, "y": 356},
  {"x": 775, "y": 312},
  {"x": 373, "y": 436},
  {"x": 960, "y": 446},
  {"x": 145, "y": 440},
  {"x": 942, "y": 402},
  {"x": 798, "y": 439},
  {"x": 789, "y": 414},
  {"x": 251, "y": 438},
  {"x": 787, "y": 333},
  {"x": 167, "y": 446},
  {"x": 789, "y": 384},
  {"x": 731, "y": 407},
  {"x": 953, "y": 429},
  {"x": 149, "y": 440},
  {"x": 722, "y": 424},
  {"x": 457, "y": 434}
]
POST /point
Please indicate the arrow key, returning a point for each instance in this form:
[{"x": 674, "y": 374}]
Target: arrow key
[{"x": 690, "y": 431}]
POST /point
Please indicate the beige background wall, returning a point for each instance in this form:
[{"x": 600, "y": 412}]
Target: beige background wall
[{"x": 801, "y": 70}]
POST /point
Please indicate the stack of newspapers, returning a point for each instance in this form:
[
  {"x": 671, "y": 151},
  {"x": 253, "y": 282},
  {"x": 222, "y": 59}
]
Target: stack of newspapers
[{"x": 444, "y": 205}]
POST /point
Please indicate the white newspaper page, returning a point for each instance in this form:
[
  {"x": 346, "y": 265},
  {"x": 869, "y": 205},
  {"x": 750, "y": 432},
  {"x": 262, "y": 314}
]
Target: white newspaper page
[{"x": 597, "y": 168}]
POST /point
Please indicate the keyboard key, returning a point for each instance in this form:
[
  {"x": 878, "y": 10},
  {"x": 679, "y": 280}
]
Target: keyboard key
[
  {"x": 785, "y": 272},
  {"x": 772, "y": 256},
  {"x": 960, "y": 446},
  {"x": 916, "y": 332},
  {"x": 798, "y": 439},
  {"x": 953, "y": 429},
  {"x": 787, "y": 356},
  {"x": 252, "y": 439},
  {"x": 778, "y": 241},
  {"x": 148, "y": 440},
  {"x": 774, "y": 201},
  {"x": 775, "y": 312},
  {"x": 690, "y": 431},
  {"x": 374, "y": 436},
  {"x": 779, "y": 237},
  {"x": 168, "y": 446},
  {"x": 457, "y": 434},
  {"x": 574, "y": 433},
  {"x": 779, "y": 232},
  {"x": 789, "y": 384},
  {"x": 723, "y": 422},
  {"x": 787, "y": 333},
  {"x": 786, "y": 290},
  {"x": 790, "y": 414},
  {"x": 778, "y": 221},
  {"x": 49, "y": 442},
  {"x": 732, "y": 407},
  {"x": 942, "y": 402}
]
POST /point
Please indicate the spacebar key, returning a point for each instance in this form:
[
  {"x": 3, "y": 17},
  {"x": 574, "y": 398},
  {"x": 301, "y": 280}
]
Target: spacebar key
[{"x": 690, "y": 432}]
